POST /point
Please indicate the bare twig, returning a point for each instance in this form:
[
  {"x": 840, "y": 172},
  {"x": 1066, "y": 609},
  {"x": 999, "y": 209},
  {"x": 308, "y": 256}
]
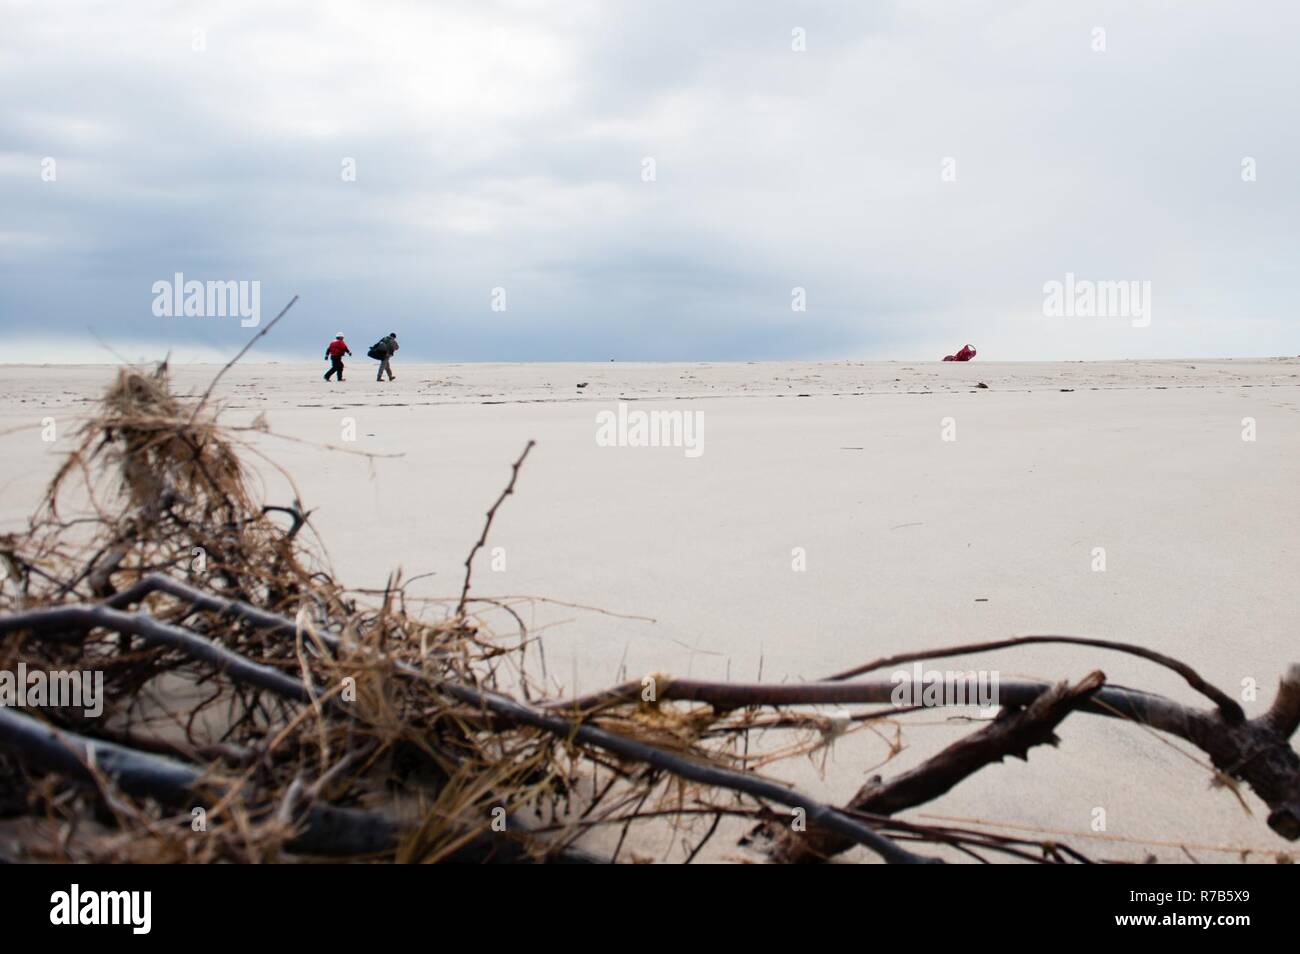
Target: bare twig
[
  {"x": 231, "y": 363},
  {"x": 491, "y": 514}
]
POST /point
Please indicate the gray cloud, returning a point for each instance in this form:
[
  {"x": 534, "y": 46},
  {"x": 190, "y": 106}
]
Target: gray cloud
[{"x": 501, "y": 144}]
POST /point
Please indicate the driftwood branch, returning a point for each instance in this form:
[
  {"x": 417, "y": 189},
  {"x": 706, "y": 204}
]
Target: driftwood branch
[
  {"x": 817, "y": 813},
  {"x": 1256, "y": 750},
  {"x": 1013, "y": 733},
  {"x": 501, "y": 706},
  {"x": 323, "y": 830},
  {"x": 1228, "y": 707},
  {"x": 62, "y": 620},
  {"x": 326, "y": 830}
]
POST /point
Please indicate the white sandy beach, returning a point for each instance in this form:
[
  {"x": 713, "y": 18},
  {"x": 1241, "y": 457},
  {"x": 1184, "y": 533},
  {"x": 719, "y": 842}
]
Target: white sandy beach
[{"x": 911, "y": 541}]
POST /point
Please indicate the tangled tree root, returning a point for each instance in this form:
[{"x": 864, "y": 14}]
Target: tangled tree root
[{"x": 255, "y": 709}]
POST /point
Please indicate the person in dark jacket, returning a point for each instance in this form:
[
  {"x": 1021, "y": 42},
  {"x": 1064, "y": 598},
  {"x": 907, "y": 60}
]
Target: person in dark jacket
[
  {"x": 384, "y": 349},
  {"x": 334, "y": 355}
]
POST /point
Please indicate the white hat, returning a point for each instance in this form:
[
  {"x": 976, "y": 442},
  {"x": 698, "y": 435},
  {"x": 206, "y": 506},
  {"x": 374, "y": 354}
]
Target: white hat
[{"x": 339, "y": 335}]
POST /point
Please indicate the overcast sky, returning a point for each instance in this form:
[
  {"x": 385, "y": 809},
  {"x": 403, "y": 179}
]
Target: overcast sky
[{"x": 503, "y": 145}]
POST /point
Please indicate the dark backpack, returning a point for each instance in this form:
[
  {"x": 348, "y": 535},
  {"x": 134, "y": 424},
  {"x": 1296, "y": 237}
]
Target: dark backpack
[{"x": 378, "y": 351}]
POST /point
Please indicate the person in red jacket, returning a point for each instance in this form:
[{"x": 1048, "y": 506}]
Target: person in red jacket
[
  {"x": 965, "y": 354},
  {"x": 334, "y": 355}
]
